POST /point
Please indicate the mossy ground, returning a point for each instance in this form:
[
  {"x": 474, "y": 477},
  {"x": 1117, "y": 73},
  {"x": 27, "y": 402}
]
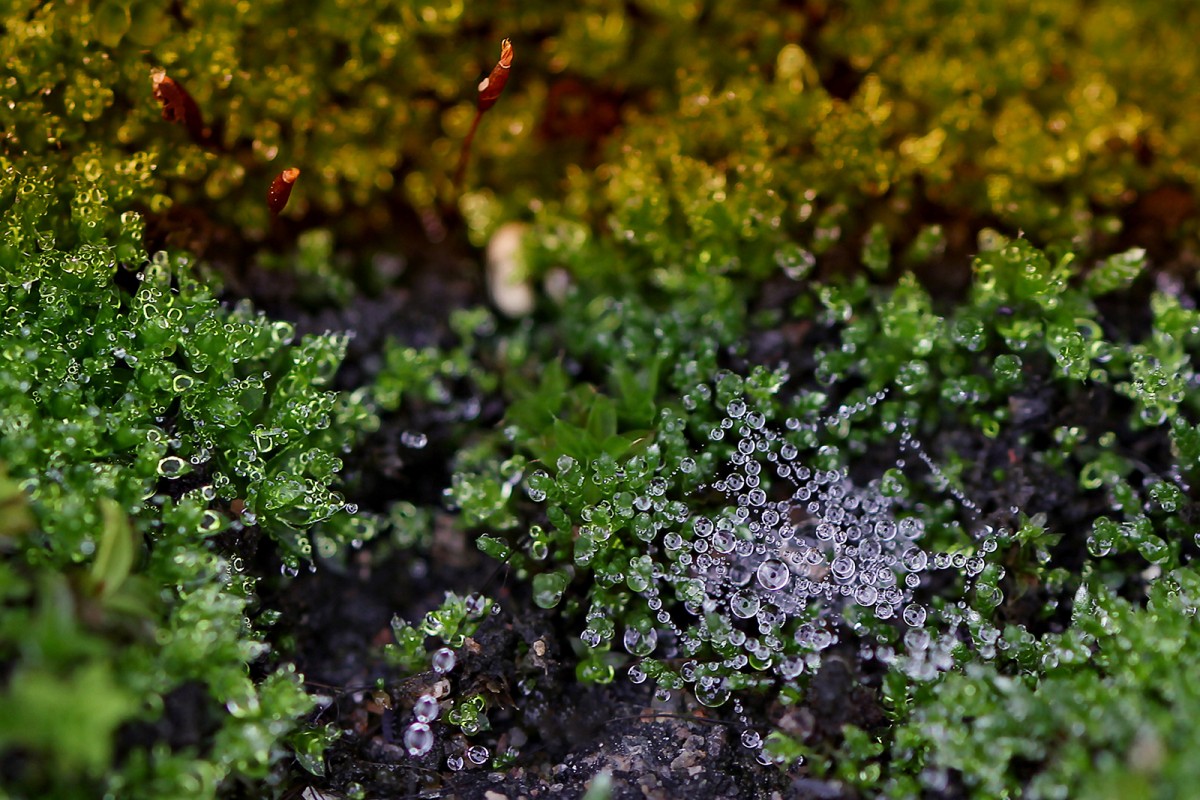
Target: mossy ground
[{"x": 289, "y": 507}]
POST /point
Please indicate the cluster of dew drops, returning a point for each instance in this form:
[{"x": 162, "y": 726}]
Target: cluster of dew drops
[
  {"x": 762, "y": 570},
  {"x": 418, "y": 736}
]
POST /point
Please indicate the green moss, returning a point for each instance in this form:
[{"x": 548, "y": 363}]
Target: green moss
[
  {"x": 674, "y": 160},
  {"x": 138, "y": 427},
  {"x": 717, "y": 167},
  {"x": 596, "y": 543},
  {"x": 1105, "y": 715}
]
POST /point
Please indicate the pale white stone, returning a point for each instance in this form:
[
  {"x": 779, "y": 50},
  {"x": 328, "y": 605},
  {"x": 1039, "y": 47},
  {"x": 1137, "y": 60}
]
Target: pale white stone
[{"x": 507, "y": 282}]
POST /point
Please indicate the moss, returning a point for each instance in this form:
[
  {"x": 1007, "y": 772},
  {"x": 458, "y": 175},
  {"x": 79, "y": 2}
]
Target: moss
[
  {"x": 987, "y": 487},
  {"x": 145, "y": 431},
  {"x": 799, "y": 126},
  {"x": 1097, "y": 716},
  {"x": 619, "y": 501}
]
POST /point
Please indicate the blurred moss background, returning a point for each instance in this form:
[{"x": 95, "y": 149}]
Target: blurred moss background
[{"x": 709, "y": 128}]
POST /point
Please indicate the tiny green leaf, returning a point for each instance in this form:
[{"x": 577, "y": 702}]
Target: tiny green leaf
[{"x": 115, "y": 554}]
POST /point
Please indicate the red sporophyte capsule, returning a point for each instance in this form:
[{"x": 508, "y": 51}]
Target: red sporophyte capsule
[
  {"x": 179, "y": 106},
  {"x": 491, "y": 86},
  {"x": 281, "y": 189},
  {"x": 489, "y": 92}
]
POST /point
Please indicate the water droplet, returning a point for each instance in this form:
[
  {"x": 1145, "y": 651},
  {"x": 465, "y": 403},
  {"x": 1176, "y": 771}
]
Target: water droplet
[
  {"x": 418, "y": 739},
  {"x": 426, "y": 708},
  {"x": 172, "y": 467},
  {"x": 914, "y": 615},
  {"x": 866, "y": 596},
  {"x": 843, "y": 568},
  {"x": 444, "y": 660},
  {"x": 795, "y": 261},
  {"x": 744, "y": 604},
  {"x": 640, "y": 644},
  {"x": 723, "y": 542},
  {"x": 915, "y": 559},
  {"x": 711, "y": 691},
  {"x": 773, "y": 574},
  {"x": 412, "y": 440}
]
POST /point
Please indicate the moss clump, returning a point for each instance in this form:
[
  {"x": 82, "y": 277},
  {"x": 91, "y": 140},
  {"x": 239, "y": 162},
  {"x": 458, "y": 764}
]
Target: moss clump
[
  {"x": 623, "y": 472},
  {"x": 149, "y": 436},
  {"x": 700, "y": 139},
  {"x": 1104, "y": 715}
]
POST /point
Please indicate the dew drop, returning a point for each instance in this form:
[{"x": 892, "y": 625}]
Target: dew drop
[
  {"x": 172, "y": 467},
  {"x": 711, "y": 692},
  {"x": 426, "y": 708},
  {"x": 640, "y": 644},
  {"x": 444, "y": 660},
  {"x": 843, "y": 568},
  {"x": 418, "y": 739},
  {"x": 773, "y": 574},
  {"x": 866, "y": 596},
  {"x": 914, "y": 615},
  {"x": 414, "y": 440},
  {"x": 744, "y": 604},
  {"x": 915, "y": 559}
]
